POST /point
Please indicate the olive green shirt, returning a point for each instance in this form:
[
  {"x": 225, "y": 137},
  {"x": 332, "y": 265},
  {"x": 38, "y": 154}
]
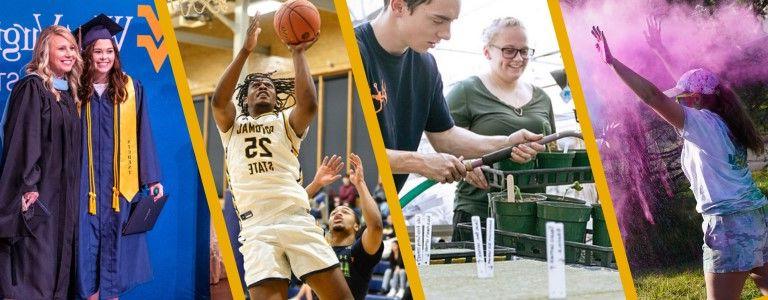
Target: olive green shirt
[{"x": 474, "y": 107}]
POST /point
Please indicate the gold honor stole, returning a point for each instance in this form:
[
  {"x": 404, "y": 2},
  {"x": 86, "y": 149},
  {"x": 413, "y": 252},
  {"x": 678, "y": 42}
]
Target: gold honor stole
[{"x": 125, "y": 156}]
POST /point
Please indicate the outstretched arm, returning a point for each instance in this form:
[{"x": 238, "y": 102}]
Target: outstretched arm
[
  {"x": 327, "y": 173},
  {"x": 472, "y": 145},
  {"x": 653, "y": 38},
  {"x": 306, "y": 96},
  {"x": 223, "y": 109},
  {"x": 374, "y": 231},
  {"x": 669, "y": 110}
]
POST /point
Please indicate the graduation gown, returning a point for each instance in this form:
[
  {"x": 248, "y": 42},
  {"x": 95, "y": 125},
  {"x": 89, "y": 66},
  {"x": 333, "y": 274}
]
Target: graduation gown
[
  {"x": 108, "y": 261},
  {"x": 41, "y": 152}
]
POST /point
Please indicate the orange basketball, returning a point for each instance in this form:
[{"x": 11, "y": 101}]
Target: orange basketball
[{"x": 297, "y": 21}]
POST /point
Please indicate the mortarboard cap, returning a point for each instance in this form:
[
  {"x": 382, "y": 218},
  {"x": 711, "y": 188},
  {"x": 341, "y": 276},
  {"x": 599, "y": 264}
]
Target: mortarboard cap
[{"x": 100, "y": 27}]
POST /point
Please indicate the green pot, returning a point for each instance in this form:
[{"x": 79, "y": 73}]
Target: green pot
[
  {"x": 574, "y": 218},
  {"x": 600, "y": 231},
  {"x": 517, "y": 216},
  {"x": 560, "y": 198},
  {"x": 552, "y": 160},
  {"x": 580, "y": 159},
  {"x": 509, "y": 165}
]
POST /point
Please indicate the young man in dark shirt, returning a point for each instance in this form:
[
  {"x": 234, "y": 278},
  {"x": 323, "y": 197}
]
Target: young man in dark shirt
[
  {"x": 358, "y": 253},
  {"x": 407, "y": 91}
]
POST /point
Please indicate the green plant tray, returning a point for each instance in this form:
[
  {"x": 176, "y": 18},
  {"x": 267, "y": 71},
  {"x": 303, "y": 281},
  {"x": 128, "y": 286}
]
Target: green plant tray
[
  {"x": 535, "y": 247},
  {"x": 538, "y": 178}
]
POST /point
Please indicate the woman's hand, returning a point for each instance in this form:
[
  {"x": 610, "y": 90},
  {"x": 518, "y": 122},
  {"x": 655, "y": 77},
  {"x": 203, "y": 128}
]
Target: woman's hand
[
  {"x": 652, "y": 34},
  {"x": 28, "y": 199},
  {"x": 477, "y": 179},
  {"x": 601, "y": 44},
  {"x": 159, "y": 187}
]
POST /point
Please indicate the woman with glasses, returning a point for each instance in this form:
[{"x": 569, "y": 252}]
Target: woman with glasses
[
  {"x": 497, "y": 103},
  {"x": 716, "y": 132}
]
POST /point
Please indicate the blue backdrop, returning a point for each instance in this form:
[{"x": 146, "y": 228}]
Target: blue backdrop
[{"x": 179, "y": 242}]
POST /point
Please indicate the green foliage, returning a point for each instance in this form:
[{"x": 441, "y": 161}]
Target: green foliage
[{"x": 755, "y": 98}]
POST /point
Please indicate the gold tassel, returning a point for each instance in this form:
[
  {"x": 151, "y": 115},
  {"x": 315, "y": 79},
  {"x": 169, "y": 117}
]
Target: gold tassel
[
  {"x": 115, "y": 199},
  {"x": 91, "y": 177},
  {"x": 115, "y": 163},
  {"x": 92, "y": 203}
]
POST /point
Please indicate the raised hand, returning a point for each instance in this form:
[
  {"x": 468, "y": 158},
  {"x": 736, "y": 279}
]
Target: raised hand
[
  {"x": 329, "y": 170},
  {"x": 601, "y": 44},
  {"x": 652, "y": 33},
  {"x": 356, "y": 174},
  {"x": 252, "y": 34},
  {"x": 302, "y": 47}
]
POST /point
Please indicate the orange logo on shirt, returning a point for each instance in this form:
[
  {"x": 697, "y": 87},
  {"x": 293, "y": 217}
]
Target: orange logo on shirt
[{"x": 380, "y": 96}]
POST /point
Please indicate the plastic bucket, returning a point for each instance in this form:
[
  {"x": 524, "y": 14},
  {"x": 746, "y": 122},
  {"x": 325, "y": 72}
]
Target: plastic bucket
[{"x": 517, "y": 216}]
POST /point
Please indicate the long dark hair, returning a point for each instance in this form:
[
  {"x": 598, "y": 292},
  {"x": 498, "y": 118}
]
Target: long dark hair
[
  {"x": 284, "y": 90},
  {"x": 730, "y": 108},
  {"x": 116, "y": 90}
]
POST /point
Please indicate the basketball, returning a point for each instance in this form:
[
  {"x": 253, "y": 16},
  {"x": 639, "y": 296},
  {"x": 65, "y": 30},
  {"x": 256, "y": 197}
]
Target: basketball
[{"x": 297, "y": 21}]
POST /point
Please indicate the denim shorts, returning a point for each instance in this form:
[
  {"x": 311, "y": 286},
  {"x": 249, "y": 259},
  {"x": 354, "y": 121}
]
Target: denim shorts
[{"x": 735, "y": 242}]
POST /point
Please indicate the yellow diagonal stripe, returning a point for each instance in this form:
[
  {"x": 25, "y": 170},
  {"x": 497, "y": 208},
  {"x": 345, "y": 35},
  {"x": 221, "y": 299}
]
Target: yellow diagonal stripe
[
  {"x": 377, "y": 142},
  {"x": 594, "y": 156},
  {"x": 199, "y": 149}
]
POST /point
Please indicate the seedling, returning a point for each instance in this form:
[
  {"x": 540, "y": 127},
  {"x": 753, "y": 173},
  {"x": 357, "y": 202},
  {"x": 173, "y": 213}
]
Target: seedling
[{"x": 576, "y": 186}]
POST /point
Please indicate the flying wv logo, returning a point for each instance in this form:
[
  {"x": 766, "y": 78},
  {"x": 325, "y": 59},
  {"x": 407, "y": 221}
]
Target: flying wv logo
[{"x": 154, "y": 44}]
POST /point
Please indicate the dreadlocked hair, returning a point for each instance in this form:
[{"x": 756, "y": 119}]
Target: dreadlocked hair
[{"x": 284, "y": 90}]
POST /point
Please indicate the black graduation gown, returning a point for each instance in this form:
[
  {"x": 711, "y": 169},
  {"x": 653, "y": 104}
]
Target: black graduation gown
[{"x": 41, "y": 152}]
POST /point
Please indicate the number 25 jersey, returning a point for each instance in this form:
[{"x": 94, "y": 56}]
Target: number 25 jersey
[{"x": 263, "y": 165}]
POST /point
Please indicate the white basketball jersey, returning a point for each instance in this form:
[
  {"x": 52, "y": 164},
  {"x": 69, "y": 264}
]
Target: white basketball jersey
[{"x": 263, "y": 165}]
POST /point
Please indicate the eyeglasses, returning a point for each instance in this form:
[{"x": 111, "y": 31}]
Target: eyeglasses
[
  {"x": 511, "y": 53},
  {"x": 689, "y": 100}
]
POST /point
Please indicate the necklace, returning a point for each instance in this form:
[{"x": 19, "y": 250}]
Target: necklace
[{"x": 518, "y": 111}]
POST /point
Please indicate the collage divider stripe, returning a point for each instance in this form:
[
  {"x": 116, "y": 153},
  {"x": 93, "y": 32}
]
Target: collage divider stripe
[
  {"x": 601, "y": 182},
  {"x": 377, "y": 143},
  {"x": 203, "y": 164}
]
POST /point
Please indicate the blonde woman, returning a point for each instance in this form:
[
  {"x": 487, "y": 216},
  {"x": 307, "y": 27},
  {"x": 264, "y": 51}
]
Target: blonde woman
[
  {"x": 497, "y": 103},
  {"x": 41, "y": 172}
]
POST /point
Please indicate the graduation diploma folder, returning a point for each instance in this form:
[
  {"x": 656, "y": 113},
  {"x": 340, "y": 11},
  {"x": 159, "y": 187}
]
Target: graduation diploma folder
[{"x": 144, "y": 214}]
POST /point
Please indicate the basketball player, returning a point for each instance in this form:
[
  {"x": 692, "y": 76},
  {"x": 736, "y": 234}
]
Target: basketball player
[
  {"x": 358, "y": 252},
  {"x": 261, "y": 138}
]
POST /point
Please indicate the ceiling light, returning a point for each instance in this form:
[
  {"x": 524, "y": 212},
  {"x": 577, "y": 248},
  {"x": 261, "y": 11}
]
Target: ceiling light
[{"x": 263, "y": 7}]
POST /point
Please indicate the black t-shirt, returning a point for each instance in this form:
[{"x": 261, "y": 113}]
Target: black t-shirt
[
  {"x": 407, "y": 94},
  {"x": 357, "y": 266}
]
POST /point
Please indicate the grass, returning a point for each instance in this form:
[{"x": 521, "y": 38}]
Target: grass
[
  {"x": 761, "y": 178},
  {"x": 684, "y": 282},
  {"x": 687, "y": 281}
]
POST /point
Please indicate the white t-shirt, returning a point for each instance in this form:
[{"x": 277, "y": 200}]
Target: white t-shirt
[
  {"x": 717, "y": 169},
  {"x": 100, "y": 88},
  {"x": 263, "y": 166}
]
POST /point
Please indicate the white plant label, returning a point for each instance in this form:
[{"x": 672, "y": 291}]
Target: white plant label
[{"x": 556, "y": 260}]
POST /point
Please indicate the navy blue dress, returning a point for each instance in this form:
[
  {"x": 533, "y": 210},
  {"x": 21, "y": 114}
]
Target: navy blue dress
[
  {"x": 41, "y": 152},
  {"x": 109, "y": 262}
]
